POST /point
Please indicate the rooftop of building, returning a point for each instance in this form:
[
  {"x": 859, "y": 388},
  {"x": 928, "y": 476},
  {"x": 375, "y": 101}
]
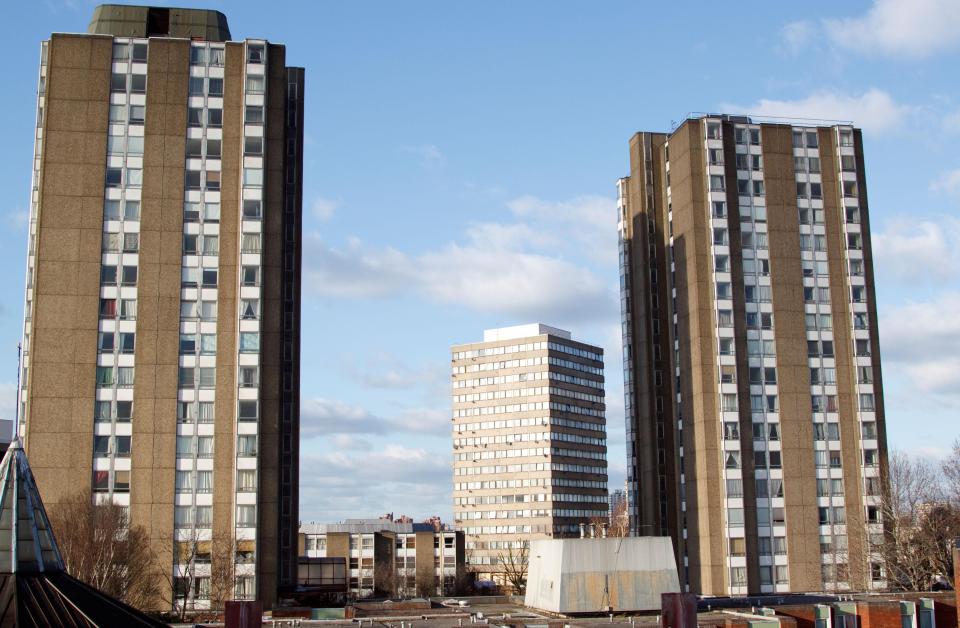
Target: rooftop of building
[
  {"x": 741, "y": 118},
  {"x": 123, "y": 20},
  {"x": 524, "y": 331},
  {"x": 367, "y": 526}
]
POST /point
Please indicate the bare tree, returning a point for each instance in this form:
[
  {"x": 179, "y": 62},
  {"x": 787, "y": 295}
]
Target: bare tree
[
  {"x": 619, "y": 520},
  {"x": 920, "y": 520},
  {"x": 950, "y": 468},
  {"x": 101, "y": 548},
  {"x": 223, "y": 572},
  {"x": 515, "y": 563}
]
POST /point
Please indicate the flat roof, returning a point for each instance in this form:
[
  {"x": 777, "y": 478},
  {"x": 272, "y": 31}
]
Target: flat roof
[{"x": 523, "y": 331}]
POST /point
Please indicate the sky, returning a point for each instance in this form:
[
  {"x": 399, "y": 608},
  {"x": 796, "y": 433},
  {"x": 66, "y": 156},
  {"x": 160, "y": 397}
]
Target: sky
[{"x": 460, "y": 169}]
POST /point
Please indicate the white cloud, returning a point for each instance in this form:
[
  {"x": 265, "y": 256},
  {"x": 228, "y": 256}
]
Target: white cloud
[
  {"x": 873, "y": 110},
  {"x": 518, "y": 236},
  {"x": 911, "y": 28},
  {"x": 918, "y": 251},
  {"x": 367, "y": 483},
  {"x": 323, "y": 208},
  {"x": 429, "y": 155},
  {"x": 588, "y": 224},
  {"x": 923, "y": 339},
  {"x": 794, "y": 36},
  {"x": 527, "y": 269},
  {"x": 948, "y": 182},
  {"x": 322, "y": 418},
  {"x": 951, "y": 122}
]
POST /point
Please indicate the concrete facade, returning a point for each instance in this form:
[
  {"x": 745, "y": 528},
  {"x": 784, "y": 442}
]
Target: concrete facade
[
  {"x": 754, "y": 406},
  {"x": 529, "y": 438},
  {"x": 161, "y": 334}
]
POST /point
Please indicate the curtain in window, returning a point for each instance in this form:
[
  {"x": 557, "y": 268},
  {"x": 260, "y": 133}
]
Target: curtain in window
[
  {"x": 104, "y": 376},
  {"x": 204, "y": 481},
  {"x": 206, "y": 412},
  {"x": 205, "y": 446},
  {"x": 125, "y": 376},
  {"x": 184, "y": 481}
]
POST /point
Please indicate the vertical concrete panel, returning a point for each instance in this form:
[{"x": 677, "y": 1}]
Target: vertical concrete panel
[
  {"x": 61, "y": 378},
  {"x": 851, "y": 457},
  {"x": 696, "y": 323},
  {"x": 158, "y": 296},
  {"x": 793, "y": 371}
]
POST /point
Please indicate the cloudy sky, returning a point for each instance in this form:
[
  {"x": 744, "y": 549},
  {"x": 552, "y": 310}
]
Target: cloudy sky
[{"x": 460, "y": 168}]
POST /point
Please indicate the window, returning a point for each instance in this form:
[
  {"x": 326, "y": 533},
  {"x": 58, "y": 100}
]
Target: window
[
  {"x": 247, "y": 410},
  {"x": 250, "y": 276},
  {"x": 186, "y": 377},
  {"x": 731, "y": 430},
  {"x": 255, "y": 84},
  {"x": 209, "y": 277},
  {"x": 205, "y": 412},
  {"x": 208, "y": 344},
  {"x": 215, "y": 87},
  {"x": 253, "y": 146},
  {"x": 758, "y": 188},
  {"x": 205, "y": 446},
  {"x": 738, "y": 547},
  {"x": 128, "y": 276},
  {"x": 137, "y": 114},
  {"x": 108, "y": 275},
  {"x": 716, "y": 183},
  {"x": 726, "y": 346},
  {"x": 248, "y": 377},
  {"x": 734, "y": 488},
  {"x": 246, "y": 480},
  {"x": 214, "y": 117},
  {"x": 194, "y": 147},
  {"x": 192, "y": 182},
  {"x": 118, "y": 82},
  {"x": 254, "y": 114},
  {"x": 246, "y": 445},
  {"x": 738, "y": 576},
  {"x": 251, "y": 210},
  {"x": 127, "y": 340},
  {"x": 195, "y": 116},
  {"x": 246, "y": 516},
  {"x": 250, "y": 243},
  {"x": 253, "y": 177},
  {"x": 848, "y": 163},
  {"x": 249, "y": 342},
  {"x": 249, "y": 309},
  {"x": 207, "y": 376},
  {"x": 131, "y": 242},
  {"x": 214, "y": 148},
  {"x": 213, "y": 180},
  {"x": 211, "y": 245},
  {"x": 755, "y": 137},
  {"x": 866, "y": 402}
]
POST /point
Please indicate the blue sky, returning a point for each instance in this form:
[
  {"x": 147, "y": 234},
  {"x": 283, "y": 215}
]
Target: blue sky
[{"x": 460, "y": 168}]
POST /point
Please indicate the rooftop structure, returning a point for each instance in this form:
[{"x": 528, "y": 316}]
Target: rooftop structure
[{"x": 36, "y": 589}]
